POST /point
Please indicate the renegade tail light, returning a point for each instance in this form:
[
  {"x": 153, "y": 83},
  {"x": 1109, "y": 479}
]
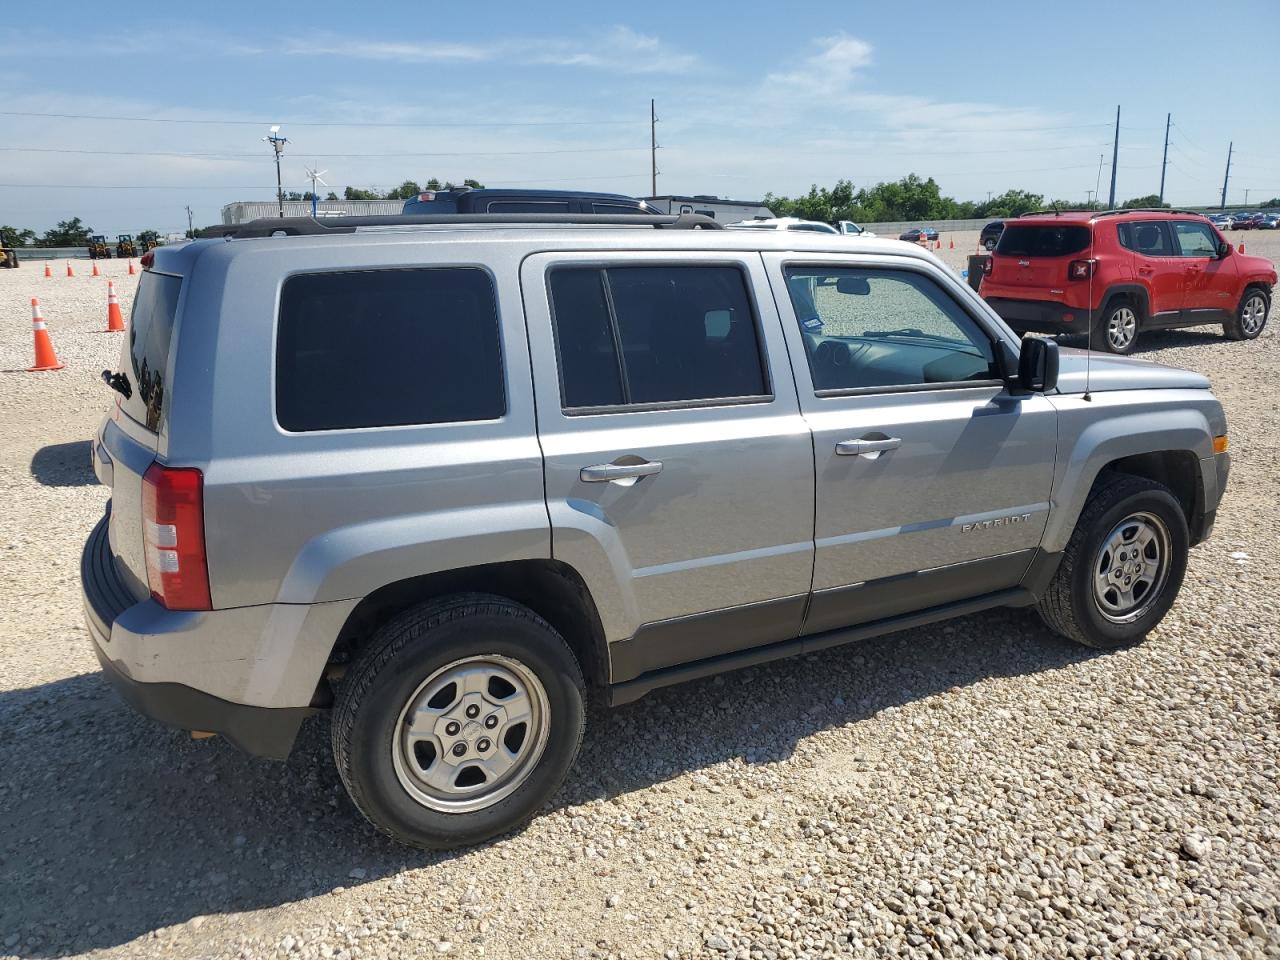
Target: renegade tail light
[
  {"x": 173, "y": 537},
  {"x": 427, "y": 196},
  {"x": 148, "y": 260},
  {"x": 1080, "y": 269},
  {"x": 986, "y": 265}
]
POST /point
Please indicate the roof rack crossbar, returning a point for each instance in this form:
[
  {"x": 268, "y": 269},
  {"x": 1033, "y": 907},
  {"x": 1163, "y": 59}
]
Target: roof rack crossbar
[
  {"x": 312, "y": 226},
  {"x": 1111, "y": 213}
]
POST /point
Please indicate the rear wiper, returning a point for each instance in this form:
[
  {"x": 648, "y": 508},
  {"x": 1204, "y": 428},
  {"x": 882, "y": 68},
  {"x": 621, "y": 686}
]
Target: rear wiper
[{"x": 117, "y": 382}]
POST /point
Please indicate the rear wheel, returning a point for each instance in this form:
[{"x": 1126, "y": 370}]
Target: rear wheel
[
  {"x": 1123, "y": 566},
  {"x": 460, "y": 720},
  {"x": 1117, "y": 331},
  {"x": 1251, "y": 315}
]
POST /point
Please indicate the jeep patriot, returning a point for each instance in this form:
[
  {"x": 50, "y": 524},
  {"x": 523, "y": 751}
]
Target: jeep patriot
[{"x": 442, "y": 476}]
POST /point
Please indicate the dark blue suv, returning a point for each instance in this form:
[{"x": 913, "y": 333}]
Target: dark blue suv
[{"x": 467, "y": 200}]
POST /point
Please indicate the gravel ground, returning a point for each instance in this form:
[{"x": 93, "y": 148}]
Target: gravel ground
[{"x": 979, "y": 787}]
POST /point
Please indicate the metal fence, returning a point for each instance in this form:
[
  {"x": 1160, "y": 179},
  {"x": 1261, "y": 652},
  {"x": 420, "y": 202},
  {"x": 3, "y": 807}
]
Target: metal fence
[
  {"x": 27, "y": 254},
  {"x": 242, "y": 211}
]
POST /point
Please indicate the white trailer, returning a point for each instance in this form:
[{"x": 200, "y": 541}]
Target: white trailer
[{"x": 726, "y": 211}]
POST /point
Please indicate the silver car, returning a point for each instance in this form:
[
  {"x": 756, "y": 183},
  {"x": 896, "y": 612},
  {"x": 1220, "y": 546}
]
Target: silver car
[{"x": 444, "y": 478}]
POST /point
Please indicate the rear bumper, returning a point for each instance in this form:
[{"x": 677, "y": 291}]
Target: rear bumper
[
  {"x": 111, "y": 611},
  {"x": 1042, "y": 316}
]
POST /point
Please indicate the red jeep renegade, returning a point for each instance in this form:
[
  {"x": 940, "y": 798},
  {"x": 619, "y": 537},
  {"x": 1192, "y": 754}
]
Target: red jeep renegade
[{"x": 1124, "y": 271}]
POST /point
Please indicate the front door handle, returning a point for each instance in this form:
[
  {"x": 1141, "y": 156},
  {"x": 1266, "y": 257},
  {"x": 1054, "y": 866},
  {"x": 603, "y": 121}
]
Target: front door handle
[
  {"x": 608, "y": 472},
  {"x": 855, "y": 448}
]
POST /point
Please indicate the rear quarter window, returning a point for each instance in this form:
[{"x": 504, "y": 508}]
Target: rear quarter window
[
  {"x": 146, "y": 354},
  {"x": 378, "y": 348},
  {"x": 1042, "y": 240}
]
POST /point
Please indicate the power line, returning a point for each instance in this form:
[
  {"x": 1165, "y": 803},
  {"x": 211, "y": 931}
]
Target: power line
[
  {"x": 313, "y": 153},
  {"x": 258, "y": 186}
]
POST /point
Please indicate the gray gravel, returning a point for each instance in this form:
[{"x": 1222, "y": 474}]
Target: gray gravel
[{"x": 979, "y": 787}]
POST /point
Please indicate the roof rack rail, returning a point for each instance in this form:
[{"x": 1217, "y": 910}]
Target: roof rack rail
[
  {"x": 1114, "y": 212},
  {"x": 311, "y": 226}
]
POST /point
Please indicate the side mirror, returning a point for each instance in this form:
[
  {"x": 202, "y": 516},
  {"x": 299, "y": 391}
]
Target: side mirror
[
  {"x": 855, "y": 286},
  {"x": 1224, "y": 249},
  {"x": 1038, "y": 365}
]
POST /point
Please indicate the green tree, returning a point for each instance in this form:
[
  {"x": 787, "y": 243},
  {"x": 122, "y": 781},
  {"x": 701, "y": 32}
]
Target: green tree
[
  {"x": 405, "y": 191},
  {"x": 355, "y": 193},
  {"x": 1150, "y": 200},
  {"x": 68, "y": 233},
  {"x": 15, "y": 237},
  {"x": 1011, "y": 203},
  {"x": 331, "y": 196}
]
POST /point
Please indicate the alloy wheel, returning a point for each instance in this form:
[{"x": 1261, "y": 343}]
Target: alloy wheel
[
  {"x": 1253, "y": 315},
  {"x": 1122, "y": 327}
]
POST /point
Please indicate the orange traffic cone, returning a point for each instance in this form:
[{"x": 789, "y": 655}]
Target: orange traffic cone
[
  {"x": 48, "y": 272},
  {"x": 131, "y": 270},
  {"x": 953, "y": 244},
  {"x": 70, "y": 272},
  {"x": 937, "y": 244},
  {"x": 115, "y": 322},
  {"x": 95, "y": 269},
  {"x": 1241, "y": 250},
  {"x": 46, "y": 359}
]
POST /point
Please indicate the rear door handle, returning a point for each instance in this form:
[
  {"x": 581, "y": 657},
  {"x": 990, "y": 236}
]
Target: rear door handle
[
  {"x": 608, "y": 472},
  {"x": 854, "y": 448},
  {"x": 1145, "y": 271}
]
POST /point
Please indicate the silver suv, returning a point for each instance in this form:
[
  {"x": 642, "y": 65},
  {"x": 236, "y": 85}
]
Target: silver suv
[{"x": 442, "y": 476}]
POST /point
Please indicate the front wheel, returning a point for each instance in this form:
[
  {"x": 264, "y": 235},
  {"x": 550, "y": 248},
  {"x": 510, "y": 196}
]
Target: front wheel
[
  {"x": 989, "y": 244},
  {"x": 1123, "y": 566},
  {"x": 459, "y": 721},
  {"x": 1251, "y": 316}
]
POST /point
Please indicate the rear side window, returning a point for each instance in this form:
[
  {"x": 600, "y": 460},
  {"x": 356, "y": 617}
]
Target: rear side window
[
  {"x": 146, "y": 355},
  {"x": 616, "y": 208},
  {"x": 377, "y": 348},
  {"x": 1149, "y": 238},
  {"x": 1042, "y": 240},
  {"x": 528, "y": 206},
  {"x": 655, "y": 335}
]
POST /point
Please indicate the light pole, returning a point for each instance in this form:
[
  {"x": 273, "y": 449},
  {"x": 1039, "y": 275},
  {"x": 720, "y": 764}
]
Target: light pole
[{"x": 277, "y": 143}]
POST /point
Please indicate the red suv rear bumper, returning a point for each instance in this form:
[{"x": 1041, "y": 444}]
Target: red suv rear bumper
[{"x": 1042, "y": 316}]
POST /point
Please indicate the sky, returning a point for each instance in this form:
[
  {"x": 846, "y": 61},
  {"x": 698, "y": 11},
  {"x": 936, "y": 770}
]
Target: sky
[{"x": 125, "y": 115}]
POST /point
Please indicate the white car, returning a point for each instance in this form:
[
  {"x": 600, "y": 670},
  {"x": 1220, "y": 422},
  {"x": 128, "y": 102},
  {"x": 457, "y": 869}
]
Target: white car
[
  {"x": 783, "y": 223},
  {"x": 851, "y": 229}
]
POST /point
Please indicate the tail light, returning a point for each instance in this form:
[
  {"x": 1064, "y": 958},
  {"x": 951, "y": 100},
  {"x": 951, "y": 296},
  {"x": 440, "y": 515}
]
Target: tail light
[
  {"x": 1080, "y": 269},
  {"x": 986, "y": 266},
  {"x": 427, "y": 196},
  {"x": 148, "y": 260},
  {"x": 173, "y": 537}
]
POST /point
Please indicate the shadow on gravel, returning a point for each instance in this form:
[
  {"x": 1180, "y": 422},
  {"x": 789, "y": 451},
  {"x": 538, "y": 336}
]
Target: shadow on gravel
[
  {"x": 1153, "y": 341},
  {"x": 112, "y": 827},
  {"x": 64, "y": 465}
]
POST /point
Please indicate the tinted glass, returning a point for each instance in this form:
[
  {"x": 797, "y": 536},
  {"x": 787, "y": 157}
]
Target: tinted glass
[
  {"x": 885, "y": 328},
  {"x": 686, "y": 333},
  {"x": 1042, "y": 240},
  {"x": 146, "y": 356},
  {"x": 528, "y": 206},
  {"x": 632, "y": 209},
  {"x": 589, "y": 372},
  {"x": 376, "y": 348},
  {"x": 1195, "y": 239},
  {"x": 1149, "y": 238}
]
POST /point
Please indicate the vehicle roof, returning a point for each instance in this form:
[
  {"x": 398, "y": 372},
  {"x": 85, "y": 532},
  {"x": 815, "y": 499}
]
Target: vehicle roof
[
  {"x": 517, "y": 191},
  {"x": 181, "y": 257},
  {"x": 1083, "y": 217}
]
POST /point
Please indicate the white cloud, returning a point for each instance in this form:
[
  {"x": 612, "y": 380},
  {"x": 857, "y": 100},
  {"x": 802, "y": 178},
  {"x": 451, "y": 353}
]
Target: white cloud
[
  {"x": 831, "y": 70},
  {"x": 332, "y": 45}
]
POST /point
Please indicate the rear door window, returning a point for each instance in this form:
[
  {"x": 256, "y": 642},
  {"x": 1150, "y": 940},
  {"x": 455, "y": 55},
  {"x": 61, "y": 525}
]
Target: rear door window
[
  {"x": 1147, "y": 237},
  {"x": 378, "y": 348},
  {"x": 146, "y": 355},
  {"x": 655, "y": 335},
  {"x": 1042, "y": 240}
]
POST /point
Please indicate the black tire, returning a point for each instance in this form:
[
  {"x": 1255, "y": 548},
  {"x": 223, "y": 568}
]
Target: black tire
[
  {"x": 1068, "y": 606},
  {"x": 401, "y": 655},
  {"x": 1238, "y": 328},
  {"x": 1101, "y": 336},
  {"x": 989, "y": 243}
]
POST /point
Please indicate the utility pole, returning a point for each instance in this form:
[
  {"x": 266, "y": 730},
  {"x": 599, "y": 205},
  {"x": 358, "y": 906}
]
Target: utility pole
[
  {"x": 277, "y": 142},
  {"x": 1088, "y": 201},
  {"x": 190, "y": 229},
  {"x": 1115, "y": 158},
  {"x": 1097, "y": 181},
  {"x": 1226, "y": 177},
  {"x": 653, "y": 148},
  {"x": 1168, "y": 120},
  {"x": 1246, "y": 196}
]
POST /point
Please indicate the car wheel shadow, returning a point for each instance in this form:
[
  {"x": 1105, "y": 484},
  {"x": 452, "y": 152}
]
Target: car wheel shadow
[{"x": 112, "y": 826}]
